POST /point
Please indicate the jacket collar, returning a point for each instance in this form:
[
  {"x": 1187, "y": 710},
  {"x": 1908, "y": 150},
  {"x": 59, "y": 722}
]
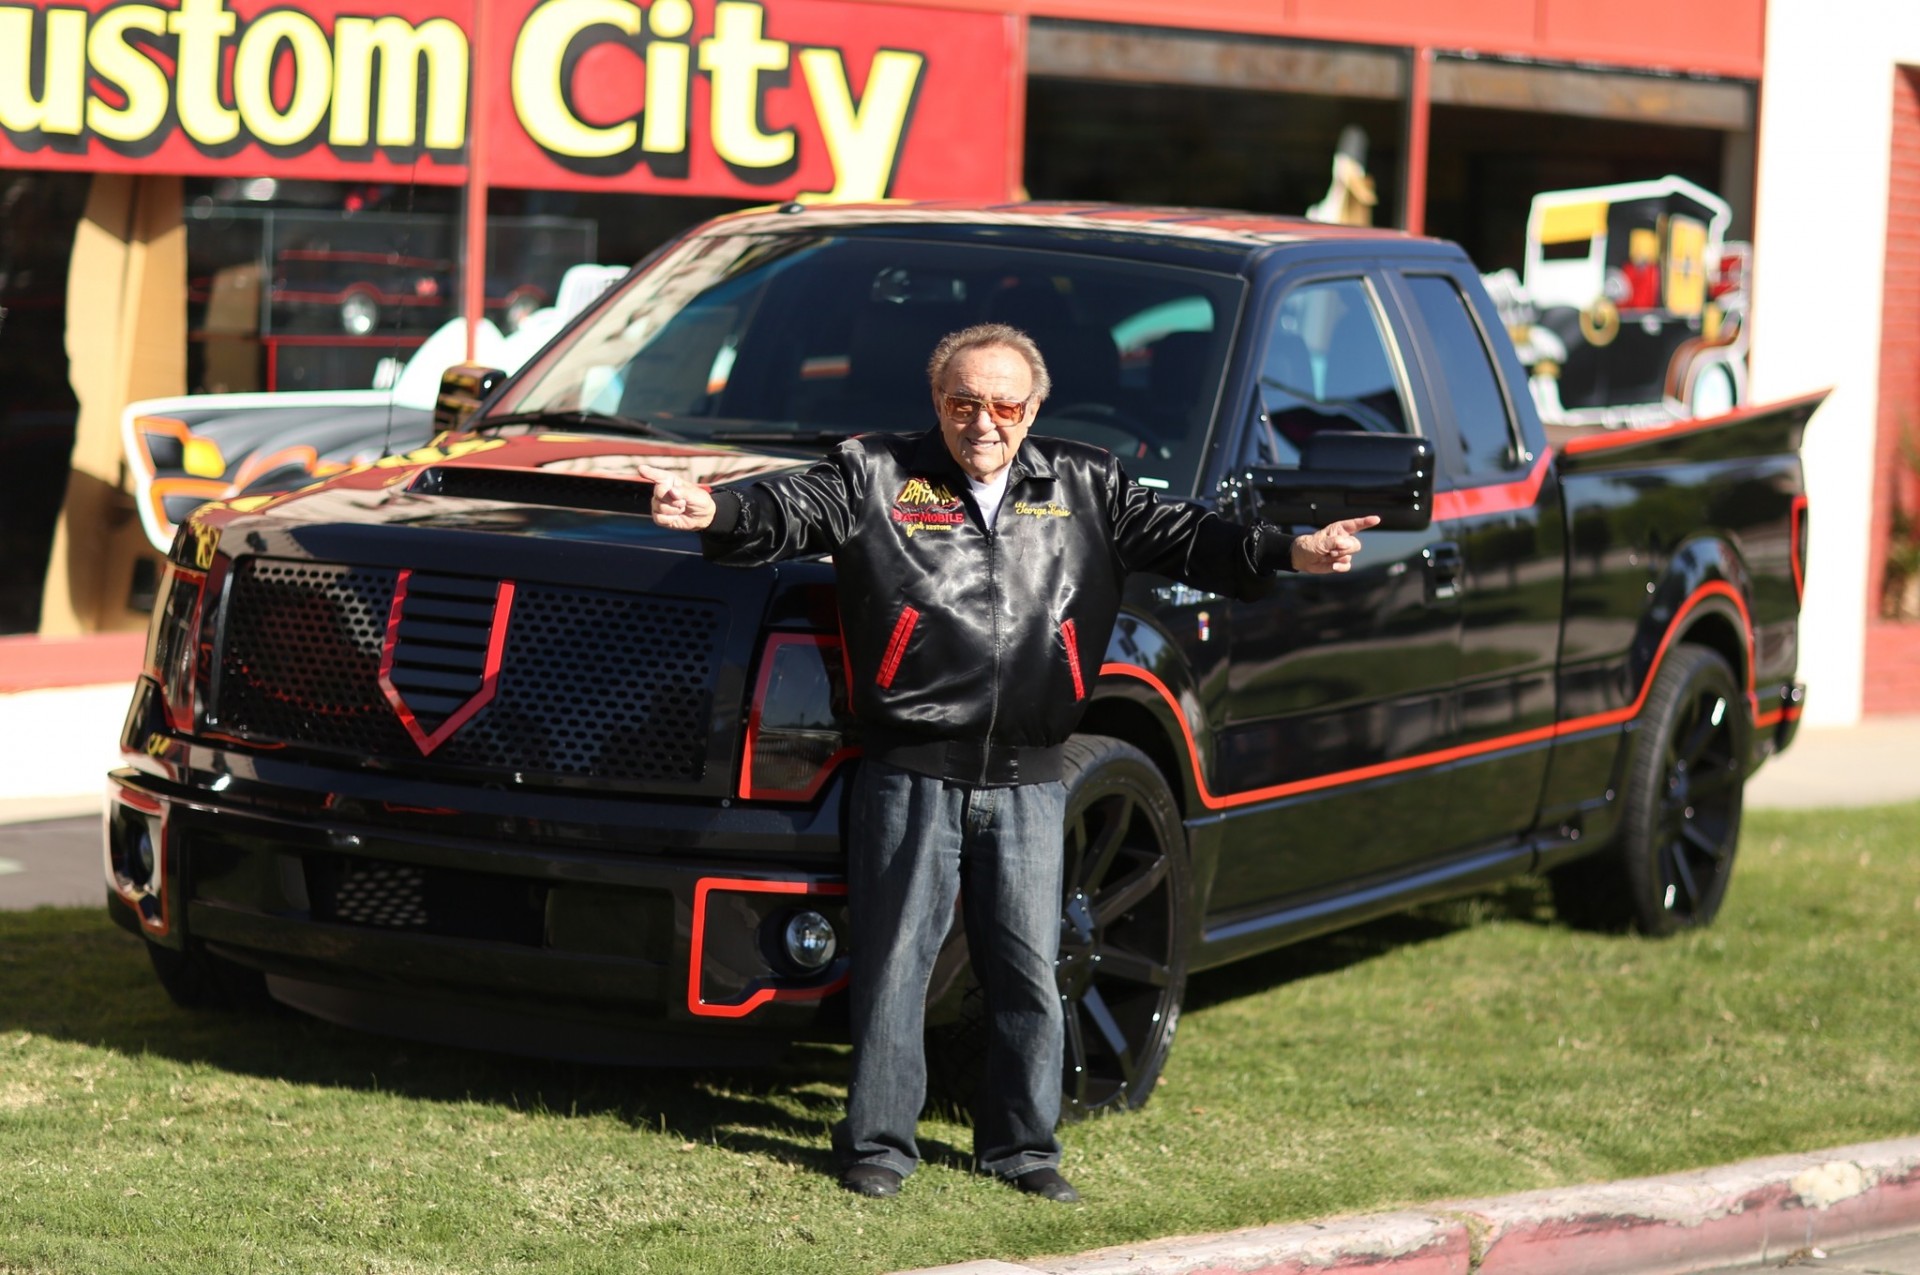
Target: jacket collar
[{"x": 930, "y": 454}]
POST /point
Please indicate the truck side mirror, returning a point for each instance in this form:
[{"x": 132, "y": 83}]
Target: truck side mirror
[
  {"x": 1348, "y": 474},
  {"x": 463, "y": 388}
]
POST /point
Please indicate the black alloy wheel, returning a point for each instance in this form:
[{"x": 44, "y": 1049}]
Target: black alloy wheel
[
  {"x": 1686, "y": 780},
  {"x": 1123, "y": 928}
]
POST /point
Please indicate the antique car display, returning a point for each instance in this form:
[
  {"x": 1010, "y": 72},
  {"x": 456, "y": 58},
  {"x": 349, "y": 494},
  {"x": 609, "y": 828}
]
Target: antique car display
[
  {"x": 458, "y": 744},
  {"x": 1631, "y": 307},
  {"x": 184, "y": 451}
]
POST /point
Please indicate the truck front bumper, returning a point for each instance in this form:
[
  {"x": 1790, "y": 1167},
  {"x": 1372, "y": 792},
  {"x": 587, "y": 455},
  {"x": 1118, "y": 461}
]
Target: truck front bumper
[{"x": 592, "y": 950}]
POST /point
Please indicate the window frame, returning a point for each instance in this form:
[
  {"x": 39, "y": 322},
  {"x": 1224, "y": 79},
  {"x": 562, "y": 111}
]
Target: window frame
[
  {"x": 1521, "y": 452},
  {"x": 1390, "y": 323}
]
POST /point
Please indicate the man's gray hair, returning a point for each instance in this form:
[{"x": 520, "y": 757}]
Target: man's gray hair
[{"x": 983, "y": 335}]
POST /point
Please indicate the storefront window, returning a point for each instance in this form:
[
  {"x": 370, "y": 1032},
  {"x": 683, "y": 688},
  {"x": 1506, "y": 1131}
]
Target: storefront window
[
  {"x": 38, "y": 214},
  {"x": 1200, "y": 119},
  {"x": 325, "y": 285}
]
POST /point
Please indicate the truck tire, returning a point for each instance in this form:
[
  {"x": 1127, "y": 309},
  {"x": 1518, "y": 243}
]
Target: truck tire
[
  {"x": 1680, "y": 825},
  {"x": 1124, "y": 941},
  {"x": 1123, "y": 926},
  {"x": 197, "y": 979}
]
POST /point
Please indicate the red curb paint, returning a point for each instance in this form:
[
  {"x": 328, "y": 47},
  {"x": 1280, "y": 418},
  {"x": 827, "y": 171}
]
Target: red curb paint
[
  {"x": 1762, "y": 1225},
  {"x": 31, "y": 663}
]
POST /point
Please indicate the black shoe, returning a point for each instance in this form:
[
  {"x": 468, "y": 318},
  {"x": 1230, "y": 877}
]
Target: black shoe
[
  {"x": 1048, "y": 1185},
  {"x": 875, "y": 1180}
]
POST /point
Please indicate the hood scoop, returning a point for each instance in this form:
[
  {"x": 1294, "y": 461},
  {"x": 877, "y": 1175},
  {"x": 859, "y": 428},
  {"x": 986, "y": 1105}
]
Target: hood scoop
[{"x": 536, "y": 487}]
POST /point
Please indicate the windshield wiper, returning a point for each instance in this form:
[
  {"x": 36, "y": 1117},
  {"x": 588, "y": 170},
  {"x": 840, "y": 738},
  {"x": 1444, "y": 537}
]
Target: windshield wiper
[
  {"x": 579, "y": 416},
  {"x": 797, "y": 437}
]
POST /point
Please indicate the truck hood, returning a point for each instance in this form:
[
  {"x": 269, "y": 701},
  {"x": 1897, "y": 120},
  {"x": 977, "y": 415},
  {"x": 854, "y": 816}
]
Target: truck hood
[
  {"x": 490, "y": 603},
  {"x": 529, "y": 486}
]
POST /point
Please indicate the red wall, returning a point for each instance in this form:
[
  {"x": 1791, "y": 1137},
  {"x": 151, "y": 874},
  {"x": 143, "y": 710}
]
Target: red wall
[
  {"x": 1893, "y": 647},
  {"x": 1719, "y": 39}
]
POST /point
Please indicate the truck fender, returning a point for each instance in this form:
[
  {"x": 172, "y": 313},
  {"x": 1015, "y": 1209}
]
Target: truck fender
[
  {"x": 1703, "y": 597},
  {"x": 1143, "y": 676}
]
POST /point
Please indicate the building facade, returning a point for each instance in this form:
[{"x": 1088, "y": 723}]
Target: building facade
[
  {"x": 1837, "y": 303},
  {"x": 227, "y": 194}
]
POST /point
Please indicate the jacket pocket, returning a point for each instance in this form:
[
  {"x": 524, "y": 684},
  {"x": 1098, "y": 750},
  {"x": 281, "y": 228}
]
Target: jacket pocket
[
  {"x": 896, "y": 646},
  {"x": 1072, "y": 641}
]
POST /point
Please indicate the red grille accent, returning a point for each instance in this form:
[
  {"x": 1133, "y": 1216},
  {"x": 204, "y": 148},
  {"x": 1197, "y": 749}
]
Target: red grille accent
[
  {"x": 441, "y": 659},
  {"x": 614, "y": 686}
]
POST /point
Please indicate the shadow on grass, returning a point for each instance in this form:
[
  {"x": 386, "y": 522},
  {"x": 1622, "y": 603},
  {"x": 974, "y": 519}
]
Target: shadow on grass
[
  {"x": 70, "y": 974},
  {"x": 1525, "y": 900}
]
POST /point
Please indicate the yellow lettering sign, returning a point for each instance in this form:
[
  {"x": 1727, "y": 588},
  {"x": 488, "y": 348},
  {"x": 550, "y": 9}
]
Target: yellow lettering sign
[
  {"x": 438, "y": 43},
  {"x": 280, "y": 79},
  {"x": 121, "y": 63},
  {"x": 312, "y": 77},
  {"x": 538, "y": 84},
  {"x": 60, "y": 107},
  {"x": 862, "y": 140},
  {"x": 202, "y": 26},
  {"x": 736, "y": 55},
  {"x": 669, "y": 77},
  {"x": 283, "y": 78}
]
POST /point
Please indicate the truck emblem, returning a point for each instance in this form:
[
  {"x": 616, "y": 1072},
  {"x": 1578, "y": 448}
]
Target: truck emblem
[{"x": 442, "y": 665}]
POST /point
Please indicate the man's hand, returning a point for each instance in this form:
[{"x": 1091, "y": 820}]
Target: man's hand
[
  {"x": 1331, "y": 548},
  {"x": 683, "y": 506}
]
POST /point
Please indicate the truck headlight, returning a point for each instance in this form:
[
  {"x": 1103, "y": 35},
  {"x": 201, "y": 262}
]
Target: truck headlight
[{"x": 797, "y": 724}]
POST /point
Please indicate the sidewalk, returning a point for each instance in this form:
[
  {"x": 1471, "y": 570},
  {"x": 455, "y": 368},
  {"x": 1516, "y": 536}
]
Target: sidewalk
[
  {"x": 1874, "y": 762},
  {"x": 1764, "y": 1211},
  {"x": 61, "y": 705}
]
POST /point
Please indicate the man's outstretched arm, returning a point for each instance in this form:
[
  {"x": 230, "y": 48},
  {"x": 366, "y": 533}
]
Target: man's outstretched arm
[
  {"x": 1332, "y": 547},
  {"x": 679, "y": 504}
]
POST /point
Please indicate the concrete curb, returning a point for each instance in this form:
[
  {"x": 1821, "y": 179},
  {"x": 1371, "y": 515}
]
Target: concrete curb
[{"x": 1761, "y": 1210}]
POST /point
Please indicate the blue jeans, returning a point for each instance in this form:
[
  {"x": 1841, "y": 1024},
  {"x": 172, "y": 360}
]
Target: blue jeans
[{"x": 913, "y": 843}]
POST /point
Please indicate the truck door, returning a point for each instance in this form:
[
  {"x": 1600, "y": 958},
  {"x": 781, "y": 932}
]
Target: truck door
[
  {"x": 1500, "y": 534},
  {"x": 1337, "y": 682}
]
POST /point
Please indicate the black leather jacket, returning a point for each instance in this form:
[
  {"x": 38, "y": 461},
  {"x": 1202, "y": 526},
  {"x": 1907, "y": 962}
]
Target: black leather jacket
[{"x": 972, "y": 652}]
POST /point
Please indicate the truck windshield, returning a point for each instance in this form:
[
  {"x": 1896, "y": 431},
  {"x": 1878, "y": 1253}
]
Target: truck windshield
[{"x": 797, "y": 339}]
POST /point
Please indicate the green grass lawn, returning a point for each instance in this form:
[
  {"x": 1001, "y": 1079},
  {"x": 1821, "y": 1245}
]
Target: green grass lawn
[{"x": 1467, "y": 1049}]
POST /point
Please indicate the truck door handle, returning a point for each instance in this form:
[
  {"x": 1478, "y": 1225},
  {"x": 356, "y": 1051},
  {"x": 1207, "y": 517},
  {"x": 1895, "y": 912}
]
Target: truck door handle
[{"x": 1443, "y": 571}]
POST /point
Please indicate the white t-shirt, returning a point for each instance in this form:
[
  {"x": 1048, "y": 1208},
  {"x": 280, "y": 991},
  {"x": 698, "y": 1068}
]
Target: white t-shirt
[{"x": 989, "y": 494}]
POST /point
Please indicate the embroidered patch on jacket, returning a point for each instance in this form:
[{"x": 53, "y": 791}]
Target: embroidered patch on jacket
[
  {"x": 1052, "y": 509},
  {"x": 927, "y": 506}
]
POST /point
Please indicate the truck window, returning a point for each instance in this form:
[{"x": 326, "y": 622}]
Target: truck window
[
  {"x": 1327, "y": 365},
  {"x": 1466, "y": 378},
  {"x": 811, "y": 336}
]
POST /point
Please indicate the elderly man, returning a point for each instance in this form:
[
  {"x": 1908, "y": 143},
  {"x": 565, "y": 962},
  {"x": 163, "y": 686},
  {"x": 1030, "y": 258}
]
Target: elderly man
[{"x": 980, "y": 572}]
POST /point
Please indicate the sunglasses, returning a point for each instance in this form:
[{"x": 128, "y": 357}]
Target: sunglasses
[{"x": 964, "y": 408}]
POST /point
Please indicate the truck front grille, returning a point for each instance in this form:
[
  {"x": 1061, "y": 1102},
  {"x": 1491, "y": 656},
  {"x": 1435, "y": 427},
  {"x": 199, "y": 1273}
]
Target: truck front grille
[
  {"x": 589, "y": 683},
  {"x": 418, "y": 899}
]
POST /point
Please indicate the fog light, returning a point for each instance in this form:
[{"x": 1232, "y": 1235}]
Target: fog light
[
  {"x": 810, "y": 940},
  {"x": 143, "y": 862}
]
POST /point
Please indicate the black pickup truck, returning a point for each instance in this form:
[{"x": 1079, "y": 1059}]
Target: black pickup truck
[{"x": 461, "y": 745}]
